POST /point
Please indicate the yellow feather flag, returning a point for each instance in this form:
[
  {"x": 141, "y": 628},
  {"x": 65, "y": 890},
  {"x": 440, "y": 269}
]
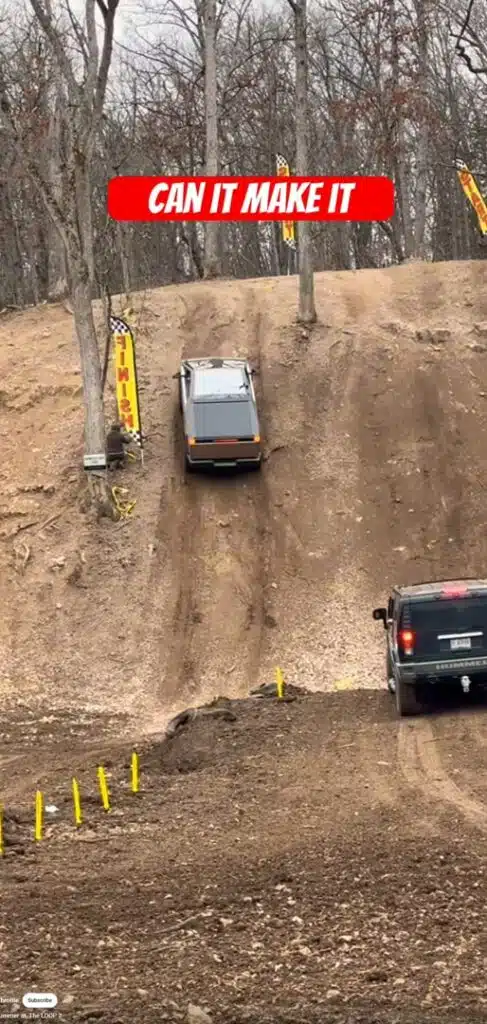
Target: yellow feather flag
[
  {"x": 288, "y": 228},
  {"x": 470, "y": 187},
  {"x": 126, "y": 379}
]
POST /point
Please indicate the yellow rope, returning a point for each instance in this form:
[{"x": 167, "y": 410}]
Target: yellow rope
[{"x": 124, "y": 508}]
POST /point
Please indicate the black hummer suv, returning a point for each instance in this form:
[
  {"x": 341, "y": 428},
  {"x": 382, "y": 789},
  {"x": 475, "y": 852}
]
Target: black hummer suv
[{"x": 436, "y": 633}]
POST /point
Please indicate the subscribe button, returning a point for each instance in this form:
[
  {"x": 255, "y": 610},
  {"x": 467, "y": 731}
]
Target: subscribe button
[{"x": 40, "y": 1000}]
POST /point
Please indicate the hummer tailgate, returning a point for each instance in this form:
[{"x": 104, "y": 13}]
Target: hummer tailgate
[{"x": 451, "y": 630}]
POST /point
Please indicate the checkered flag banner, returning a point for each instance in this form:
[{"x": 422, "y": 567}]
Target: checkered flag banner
[
  {"x": 118, "y": 326},
  {"x": 282, "y": 166},
  {"x": 126, "y": 379},
  {"x": 288, "y": 228}
]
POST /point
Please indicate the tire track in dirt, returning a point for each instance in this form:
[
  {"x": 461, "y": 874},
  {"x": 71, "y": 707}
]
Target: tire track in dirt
[
  {"x": 411, "y": 470},
  {"x": 167, "y": 600},
  {"x": 479, "y": 730},
  {"x": 421, "y": 764},
  {"x": 440, "y": 467},
  {"x": 262, "y": 547},
  {"x": 312, "y": 470},
  {"x": 214, "y": 538},
  {"x": 224, "y": 642},
  {"x": 181, "y": 536}
]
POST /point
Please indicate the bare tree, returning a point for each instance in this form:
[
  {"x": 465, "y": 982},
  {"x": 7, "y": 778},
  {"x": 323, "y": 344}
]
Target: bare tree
[
  {"x": 471, "y": 38},
  {"x": 422, "y": 112},
  {"x": 372, "y": 109},
  {"x": 57, "y": 263},
  {"x": 306, "y": 309},
  {"x": 212, "y": 260},
  {"x": 81, "y": 116}
]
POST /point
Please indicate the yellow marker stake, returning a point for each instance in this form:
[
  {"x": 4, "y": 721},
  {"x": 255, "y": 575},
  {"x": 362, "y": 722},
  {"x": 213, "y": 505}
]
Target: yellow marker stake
[
  {"x": 344, "y": 684},
  {"x": 104, "y": 789},
  {"x": 280, "y": 683},
  {"x": 2, "y": 850},
  {"x": 77, "y": 803},
  {"x": 39, "y": 816},
  {"x": 135, "y": 772}
]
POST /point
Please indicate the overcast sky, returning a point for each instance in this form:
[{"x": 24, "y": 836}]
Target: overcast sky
[{"x": 131, "y": 14}]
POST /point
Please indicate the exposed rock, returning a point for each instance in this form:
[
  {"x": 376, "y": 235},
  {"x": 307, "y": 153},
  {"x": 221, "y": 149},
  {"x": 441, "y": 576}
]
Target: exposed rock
[
  {"x": 187, "y": 716},
  {"x": 196, "y": 1015},
  {"x": 434, "y": 336},
  {"x": 393, "y": 327},
  {"x": 270, "y": 621},
  {"x": 270, "y": 690}
]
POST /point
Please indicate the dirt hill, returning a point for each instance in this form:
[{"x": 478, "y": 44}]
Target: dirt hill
[
  {"x": 375, "y": 432},
  {"x": 311, "y": 862}
]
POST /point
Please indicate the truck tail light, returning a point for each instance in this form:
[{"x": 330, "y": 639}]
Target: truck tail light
[{"x": 406, "y": 640}]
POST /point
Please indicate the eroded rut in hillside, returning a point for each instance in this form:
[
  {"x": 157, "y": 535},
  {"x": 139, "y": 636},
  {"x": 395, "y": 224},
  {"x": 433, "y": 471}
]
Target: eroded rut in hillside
[{"x": 212, "y": 538}]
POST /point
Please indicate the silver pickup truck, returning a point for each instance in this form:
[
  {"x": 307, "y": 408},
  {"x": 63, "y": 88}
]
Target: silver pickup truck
[{"x": 219, "y": 413}]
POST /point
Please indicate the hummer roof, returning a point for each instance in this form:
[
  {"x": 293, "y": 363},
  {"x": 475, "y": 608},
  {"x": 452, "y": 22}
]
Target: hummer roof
[{"x": 439, "y": 587}]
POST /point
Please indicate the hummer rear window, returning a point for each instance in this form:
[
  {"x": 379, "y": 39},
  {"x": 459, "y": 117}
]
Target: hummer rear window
[{"x": 444, "y": 615}]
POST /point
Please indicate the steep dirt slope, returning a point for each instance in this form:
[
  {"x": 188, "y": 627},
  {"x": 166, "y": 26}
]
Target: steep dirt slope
[
  {"x": 211, "y": 549},
  {"x": 376, "y": 444}
]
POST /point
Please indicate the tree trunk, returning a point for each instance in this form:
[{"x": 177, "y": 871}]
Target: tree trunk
[
  {"x": 391, "y": 230},
  {"x": 84, "y": 206},
  {"x": 95, "y": 433},
  {"x": 399, "y": 158},
  {"x": 122, "y": 243},
  {"x": 362, "y": 242},
  {"x": 107, "y": 313},
  {"x": 307, "y": 311},
  {"x": 30, "y": 249},
  {"x": 212, "y": 228},
  {"x": 57, "y": 285},
  {"x": 275, "y": 231},
  {"x": 195, "y": 249},
  {"x": 13, "y": 285},
  {"x": 422, "y": 140}
]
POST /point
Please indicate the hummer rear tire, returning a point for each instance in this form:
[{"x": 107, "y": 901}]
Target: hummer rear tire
[{"x": 407, "y": 702}]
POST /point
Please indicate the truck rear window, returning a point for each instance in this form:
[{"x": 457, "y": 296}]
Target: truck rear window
[{"x": 445, "y": 615}]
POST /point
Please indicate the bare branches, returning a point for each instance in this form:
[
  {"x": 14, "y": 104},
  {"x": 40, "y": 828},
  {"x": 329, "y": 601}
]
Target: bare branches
[
  {"x": 46, "y": 22},
  {"x": 92, "y": 50},
  {"x": 109, "y": 11},
  {"x": 78, "y": 32},
  {"x": 468, "y": 37},
  {"x": 368, "y": 102},
  {"x": 11, "y": 126}
]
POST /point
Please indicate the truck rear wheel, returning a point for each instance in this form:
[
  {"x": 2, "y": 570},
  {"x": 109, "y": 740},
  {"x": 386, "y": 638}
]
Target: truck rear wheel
[{"x": 407, "y": 702}]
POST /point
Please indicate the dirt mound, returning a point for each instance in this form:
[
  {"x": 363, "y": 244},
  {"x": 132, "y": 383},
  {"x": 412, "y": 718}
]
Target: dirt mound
[
  {"x": 320, "y": 862},
  {"x": 194, "y": 740}
]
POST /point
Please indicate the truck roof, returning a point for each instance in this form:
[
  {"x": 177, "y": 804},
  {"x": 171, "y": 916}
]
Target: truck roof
[
  {"x": 214, "y": 363},
  {"x": 436, "y": 587}
]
